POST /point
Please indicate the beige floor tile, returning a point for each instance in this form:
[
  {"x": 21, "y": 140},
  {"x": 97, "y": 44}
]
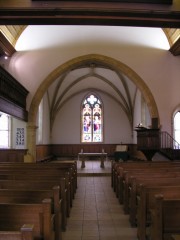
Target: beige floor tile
[
  {"x": 90, "y": 223},
  {"x": 96, "y": 213}
]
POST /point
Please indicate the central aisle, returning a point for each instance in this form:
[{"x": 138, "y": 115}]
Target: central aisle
[{"x": 96, "y": 213}]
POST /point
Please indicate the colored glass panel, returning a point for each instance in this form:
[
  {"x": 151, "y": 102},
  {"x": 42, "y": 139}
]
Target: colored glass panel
[{"x": 91, "y": 119}]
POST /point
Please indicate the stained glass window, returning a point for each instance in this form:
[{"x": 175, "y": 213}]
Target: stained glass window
[{"x": 92, "y": 119}]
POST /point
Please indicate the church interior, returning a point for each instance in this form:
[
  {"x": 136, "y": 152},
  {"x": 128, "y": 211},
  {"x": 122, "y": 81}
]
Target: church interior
[{"x": 89, "y": 119}]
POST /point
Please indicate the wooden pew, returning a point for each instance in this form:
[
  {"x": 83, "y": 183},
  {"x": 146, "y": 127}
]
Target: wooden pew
[
  {"x": 66, "y": 165},
  {"x": 175, "y": 237},
  {"x": 28, "y": 175},
  {"x": 70, "y": 166},
  {"x": 13, "y": 216},
  {"x": 119, "y": 168},
  {"x": 134, "y": 191},
  {"x": 145, "y": 202},
  {"x": 70, "y": 163},
  {"x": 139, "y": 170},
  {"x": 123, "y": 166},
  {"x": 41, "y": 185},
  {"x": 165, "y": 217},
  {"x": 49, "y": 171},
  {"x": 25, "y": 233},
  {"x": 36, "y": 196},
  {"x": 22, "y": 170},
  {"x": 125, "y": 176}
]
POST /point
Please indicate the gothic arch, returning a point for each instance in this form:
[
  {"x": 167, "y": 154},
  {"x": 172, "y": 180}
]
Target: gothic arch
[{"x": 75, "y": 63}]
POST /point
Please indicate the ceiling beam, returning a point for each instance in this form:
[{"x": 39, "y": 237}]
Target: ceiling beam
[
  {"x": 122, "y": 1},
  {"x": 175, "y": 49},
  {"x": 5, "y": 46},
  {"x": 90, "y": 13},
  {"x": 143, "y": 18}
]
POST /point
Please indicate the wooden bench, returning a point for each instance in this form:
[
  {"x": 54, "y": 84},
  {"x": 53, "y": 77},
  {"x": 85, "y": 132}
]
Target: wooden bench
[
  {"x": 123, "y": 166},
  {"x": 175, "y": 237},
  {"x": 119, "y": 168},
  {"x": 65, "y": 166},
  {"x": 38, "y": 175},
  {"x": 145, "y": 202},
  {"x": 14, "y": 216},
  {"x": 165, "y": 217},
  {"x": 134, "y": 190},
  {"x": 41, "y": 185},
  {"x": 55, "y": 173},
  {"x": 124, "y": 177},
  {"x": 125, "y": 186},
  {"x": 36, "y": 196},
  {"x": 138, "y": 200}
]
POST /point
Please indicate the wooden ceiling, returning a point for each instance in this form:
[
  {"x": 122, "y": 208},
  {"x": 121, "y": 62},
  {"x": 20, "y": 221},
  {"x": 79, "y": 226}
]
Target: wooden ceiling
[
  {"x": 123, "y": 1},
  {"x": 6, "y": 48},
  {"x": 143, "y": 13}
]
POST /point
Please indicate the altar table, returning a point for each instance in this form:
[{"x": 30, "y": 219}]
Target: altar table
[{"x": 83, "y": 155}]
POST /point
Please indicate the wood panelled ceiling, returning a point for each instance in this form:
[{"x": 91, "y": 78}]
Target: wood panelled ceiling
[
  {"x": 6, "y": 48},
  {"x": 15, "y": 15},
  {"x": 123, "y": 1}
]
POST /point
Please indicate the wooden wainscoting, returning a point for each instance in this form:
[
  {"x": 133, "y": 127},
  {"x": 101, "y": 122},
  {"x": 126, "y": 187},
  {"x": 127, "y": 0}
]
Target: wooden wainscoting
[
  {"x": 72, "y": 150},
  {"x": 43, "y": 152},
  {"x": 12, "y": 155}
]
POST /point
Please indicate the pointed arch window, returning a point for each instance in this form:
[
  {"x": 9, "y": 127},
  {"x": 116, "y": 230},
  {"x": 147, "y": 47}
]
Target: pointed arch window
[
  {"x": 177, "y": 126},
  {"x": 92, "y": 121}
]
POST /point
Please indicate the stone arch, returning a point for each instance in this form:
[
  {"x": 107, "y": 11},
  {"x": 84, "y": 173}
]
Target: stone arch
[{"x": 75, "y": 63}]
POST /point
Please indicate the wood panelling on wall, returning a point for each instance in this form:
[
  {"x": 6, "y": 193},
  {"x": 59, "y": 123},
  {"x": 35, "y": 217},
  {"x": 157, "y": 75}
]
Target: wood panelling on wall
[
  {"x": 12, "y": 96},
  {"x": 12, "y": 155},
  {"x": 45, "y": 152},
  {"x": 42, "y": 152},
  {"x": 72, "y": 150}
]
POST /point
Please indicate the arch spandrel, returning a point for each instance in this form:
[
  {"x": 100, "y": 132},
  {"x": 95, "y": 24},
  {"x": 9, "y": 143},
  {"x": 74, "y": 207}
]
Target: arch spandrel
[{"x": 82, "y": 60}]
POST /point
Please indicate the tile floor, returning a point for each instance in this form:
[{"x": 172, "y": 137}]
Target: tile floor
[{"x": 96, "y": 213}]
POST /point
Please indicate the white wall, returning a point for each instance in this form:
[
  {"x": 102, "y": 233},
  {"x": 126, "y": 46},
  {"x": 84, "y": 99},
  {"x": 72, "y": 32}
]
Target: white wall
[
  {"x": 158, "y": 68},
  {"x": 43, "y": 130},
  {"x": 67, "y": 125}
]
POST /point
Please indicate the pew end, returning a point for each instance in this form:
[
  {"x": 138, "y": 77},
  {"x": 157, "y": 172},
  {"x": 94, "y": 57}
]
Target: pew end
[
  {"x": 25, "y": 233},
  {"x": 165, "y": 218}
]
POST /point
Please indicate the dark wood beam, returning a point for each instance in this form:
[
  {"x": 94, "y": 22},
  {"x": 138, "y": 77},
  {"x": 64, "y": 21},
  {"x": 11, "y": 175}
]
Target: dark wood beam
[
  {"x": 89, "y": 13},
  {"x": 122, "y": 1},
  {"x": 143, "y": 18},
  {"x": 12, "y": 96},
  {"x": 175, "y": 49},
  {"x": 5, "y": 46}
]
